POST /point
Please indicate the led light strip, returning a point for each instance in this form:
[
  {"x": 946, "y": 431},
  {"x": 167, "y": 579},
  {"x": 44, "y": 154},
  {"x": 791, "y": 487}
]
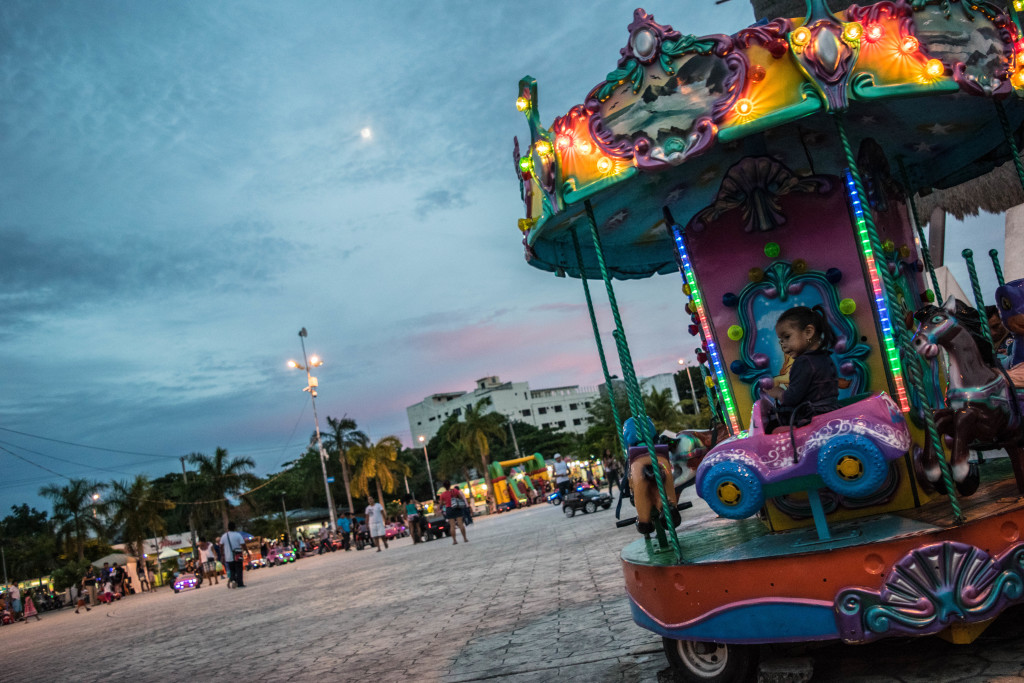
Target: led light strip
[
  {"x": 891, "y": 353},
  {"x": 716, "y": 360}
]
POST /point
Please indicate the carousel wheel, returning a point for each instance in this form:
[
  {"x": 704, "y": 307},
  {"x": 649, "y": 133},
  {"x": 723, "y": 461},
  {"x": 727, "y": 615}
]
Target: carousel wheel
[
  {"x": 732, "y": 490},
  {"x": 852, "y": 466},
  {"x": 706, "y": 662}
]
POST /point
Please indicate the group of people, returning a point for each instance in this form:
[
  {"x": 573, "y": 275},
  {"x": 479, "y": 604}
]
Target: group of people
[
  {"x": 13, "y": 608},
  {"x": 108, "y": 584}
]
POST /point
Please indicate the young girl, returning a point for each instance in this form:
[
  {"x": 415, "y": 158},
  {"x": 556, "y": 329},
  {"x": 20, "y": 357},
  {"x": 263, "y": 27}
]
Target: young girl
[{"x": 806, "y": 337}]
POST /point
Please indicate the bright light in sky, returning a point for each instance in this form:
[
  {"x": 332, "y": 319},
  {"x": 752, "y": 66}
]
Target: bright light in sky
[{"x": 366, "y": 133}]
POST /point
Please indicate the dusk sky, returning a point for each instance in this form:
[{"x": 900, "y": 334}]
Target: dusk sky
[{"x": 187, "y": 184}]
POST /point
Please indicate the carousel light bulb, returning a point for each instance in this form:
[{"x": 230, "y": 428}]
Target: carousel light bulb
[
  {"x": 853, "y": 32},
  {"x": 604, "y": 164},
  {"x": 873, "y": 33},
  {"x": 801, "y": 36},
  {"x": 525, "y": 164},
  {"x": 543, "y": 147},
  {"x": 934, "y": 68},
  {"x": 909, "y": 45},
  {"x": 1018, "y": 5},
  {"x": 585, "y": 147},
  {"x": 563, "y": 141},
  {"x": 1018, "y": 79},
  {"x": 522, "y": 104},
  {"x": 744, "y": 107}
]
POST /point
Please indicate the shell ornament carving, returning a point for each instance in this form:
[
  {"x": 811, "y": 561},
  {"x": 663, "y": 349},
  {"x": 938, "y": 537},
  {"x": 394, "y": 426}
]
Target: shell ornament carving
[{"x": 930, "y": 588}]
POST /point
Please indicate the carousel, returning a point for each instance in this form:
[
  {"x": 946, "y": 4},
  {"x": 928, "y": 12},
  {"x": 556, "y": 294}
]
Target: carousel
[{"x": 793, "y": 164}]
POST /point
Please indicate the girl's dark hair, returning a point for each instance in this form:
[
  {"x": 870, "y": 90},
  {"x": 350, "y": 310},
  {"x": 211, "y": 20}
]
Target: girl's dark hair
[
  {"x": 447, "y": 484},
  {"x": 801, "y": 316}
]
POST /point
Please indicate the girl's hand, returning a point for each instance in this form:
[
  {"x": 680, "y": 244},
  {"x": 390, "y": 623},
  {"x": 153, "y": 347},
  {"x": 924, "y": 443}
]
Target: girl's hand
[{"x": 775, "y": 392}]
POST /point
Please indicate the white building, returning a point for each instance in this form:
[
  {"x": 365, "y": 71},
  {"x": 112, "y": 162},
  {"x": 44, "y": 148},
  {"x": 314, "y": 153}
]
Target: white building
[{"x": 555, "y": 407}]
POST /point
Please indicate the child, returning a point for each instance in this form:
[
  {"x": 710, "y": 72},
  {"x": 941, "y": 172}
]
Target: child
[
  {"x": 30, "y": 609},
  {"x": 805, "y": 336},
  {"x": 80, "y": 603}
]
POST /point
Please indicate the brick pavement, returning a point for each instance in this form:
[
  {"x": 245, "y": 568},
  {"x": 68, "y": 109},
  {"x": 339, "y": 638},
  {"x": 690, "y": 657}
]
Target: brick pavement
[{"x": 532, "y": 597}]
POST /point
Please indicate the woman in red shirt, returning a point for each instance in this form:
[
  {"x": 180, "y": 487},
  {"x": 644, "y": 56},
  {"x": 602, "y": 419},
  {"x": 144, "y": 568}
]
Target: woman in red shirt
[{"x": 454, "y": 504}]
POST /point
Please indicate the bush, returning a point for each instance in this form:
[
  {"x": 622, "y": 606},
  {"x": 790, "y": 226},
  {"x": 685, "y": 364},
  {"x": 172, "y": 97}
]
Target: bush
[{"x": 69, "y": 575}]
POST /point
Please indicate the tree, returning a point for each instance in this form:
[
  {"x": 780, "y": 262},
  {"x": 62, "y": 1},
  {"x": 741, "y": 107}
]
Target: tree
[
  {"x": 29, "y": 544},
  {"x": 455, "y": 461},
  {"x": 75, "y": 511},
  {"x": 341, "y": 436},
  {"x": 378, "y": 462},
  {"x": 218, "y": 477},
  {"x": 663, "y": 410},
  {"x": 475, "y": 431},
  {"x": 602, "y": 433},
  {"x": 135, "y": 511}
]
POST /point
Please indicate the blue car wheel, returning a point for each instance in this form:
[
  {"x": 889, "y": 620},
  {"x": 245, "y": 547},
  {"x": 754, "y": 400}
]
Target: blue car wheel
[
  {"x": 732, "y": 490},
  {"x": 851, "y": 465}
]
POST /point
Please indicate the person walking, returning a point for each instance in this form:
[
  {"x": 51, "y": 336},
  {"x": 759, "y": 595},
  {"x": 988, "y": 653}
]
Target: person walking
[
  {"x": 325, "y": 539},
  {"x": 454, "y": 504},
  {"x": 561, "y": 475},
  {"x": 15, "y": 594},
  {"x": 375, "y": 519},
  {"x": 207, "y": 562},
  {"x": 30, "y": 608},
  {"x": 345, "y": 527},
  {"x": 412, "y": 518},
  {"x": 611, "y": 471},
  {"x": 89, "y": 582},
  {"x": 232, "y": 543}
]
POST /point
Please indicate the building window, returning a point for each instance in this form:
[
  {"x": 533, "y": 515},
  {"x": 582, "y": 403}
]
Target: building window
[
  {"x": 525, "y": 412},
  {"x": 587, "y": 404},
  {"x": 542, "y": 411},
  {"x": 573, "y": 406},
  {"x": 561, "y": 423},
  {"x": 577, "y": 422},
  {"x": 457, "y": 411},
  {"x": 545, "y": 425},
  {"x": 558, "y": 409},
  {"x": 432, "y": 418}
]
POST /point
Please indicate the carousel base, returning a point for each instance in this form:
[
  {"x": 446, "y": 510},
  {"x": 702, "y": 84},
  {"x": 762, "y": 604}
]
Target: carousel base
[{"x": 910, "y": 573}]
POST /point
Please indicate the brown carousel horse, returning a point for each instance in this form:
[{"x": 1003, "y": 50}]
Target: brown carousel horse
[{"x": 983, "y": 407}]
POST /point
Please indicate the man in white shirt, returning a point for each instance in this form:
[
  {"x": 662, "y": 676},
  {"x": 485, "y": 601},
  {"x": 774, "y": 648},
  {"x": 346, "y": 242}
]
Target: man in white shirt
[
  {"x": 375, "y": 520},
  {"x": 561, "y": 475},
  {"x": 233, "y": 544}
]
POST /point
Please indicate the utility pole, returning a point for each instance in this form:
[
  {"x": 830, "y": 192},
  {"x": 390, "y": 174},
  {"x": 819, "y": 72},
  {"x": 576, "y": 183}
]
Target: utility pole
[
  {"x": 284, "y": 516},
  {"x": 4, "y": 556},
  {"x": 693, "y": 392},
  {"x": 514, "y": 442},
  {"x": 191, "y": 508}
]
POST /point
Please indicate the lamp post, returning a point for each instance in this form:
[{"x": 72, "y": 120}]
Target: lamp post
[
  {"x": 693, "y": 392},
  {"x": 284, "y": 517},
  {"x": 426, "y": 458},
  {"x": 95, "y": 499},
  {"x": 311, "y": 385}
]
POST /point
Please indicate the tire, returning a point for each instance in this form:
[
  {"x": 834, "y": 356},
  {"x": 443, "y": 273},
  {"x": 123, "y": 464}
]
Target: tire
[
  {"x": 703, "y": 662},
  {"x": 590, "y": 508},
  {"x": 606, "y": 506},
  {"x": 852, "y": 466},
  {"x": 732, "y": 490},
  {"x": 568, "y": 511}
]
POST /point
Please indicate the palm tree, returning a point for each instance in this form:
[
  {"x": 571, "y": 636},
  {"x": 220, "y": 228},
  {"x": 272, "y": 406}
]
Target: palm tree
[
  {"x": 341, "y": 436},
  {"x": 663, "y": 410},
  {"x": 455, "y": 460},
  {"x": 136, "y": 509},
  {"x": 474, "y": 431},
  {"x": 74, "y": 510},
  {"x": 219, "y": 477},
  {"x": 379, "y": 462}
]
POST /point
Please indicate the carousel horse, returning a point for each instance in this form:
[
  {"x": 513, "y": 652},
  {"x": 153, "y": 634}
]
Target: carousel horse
[
  {"x": 642, "y": 484},
  {"x": 1010, "y": 302},
  {"x": 984, "y": 410}
]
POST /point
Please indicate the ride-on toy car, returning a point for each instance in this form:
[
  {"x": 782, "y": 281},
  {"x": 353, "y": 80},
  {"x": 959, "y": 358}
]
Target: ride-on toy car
[
  {"x": 849, "y": 449},
  {"x": 586, "y": 499},
  {"x": 186, "y": 580}
]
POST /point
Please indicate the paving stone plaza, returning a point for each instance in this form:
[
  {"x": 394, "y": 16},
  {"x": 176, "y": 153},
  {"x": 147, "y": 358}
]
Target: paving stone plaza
[{"x": 534, "y": 596}]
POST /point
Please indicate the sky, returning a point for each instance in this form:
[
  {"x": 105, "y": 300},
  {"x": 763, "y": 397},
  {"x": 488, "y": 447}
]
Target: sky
[{"x": 188, "y": 184}]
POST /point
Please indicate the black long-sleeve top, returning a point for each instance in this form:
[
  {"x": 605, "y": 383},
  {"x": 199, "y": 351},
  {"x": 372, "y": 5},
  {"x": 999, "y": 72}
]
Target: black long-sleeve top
[{"x": 812, "y": 379}]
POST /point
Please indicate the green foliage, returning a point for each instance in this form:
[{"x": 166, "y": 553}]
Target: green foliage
[
  {"x": 217, "y": 478},
  {"x": 75, "y": 512},
  {"x": 135, "y": 512},
  {"x": 29, "y": 544},
  {"x": 474, "y": 433},
  {"x": 69, "y": 575},
  {"x": 377, "y": 462}
]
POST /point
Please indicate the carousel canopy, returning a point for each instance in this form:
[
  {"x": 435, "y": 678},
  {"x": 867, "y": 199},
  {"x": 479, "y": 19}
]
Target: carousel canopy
[{"x": 924, "y": 94}]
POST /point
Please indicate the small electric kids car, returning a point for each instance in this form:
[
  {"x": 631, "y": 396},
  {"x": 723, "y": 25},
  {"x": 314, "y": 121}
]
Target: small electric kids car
[
  {"x": 586, "y": 499},
  {"x": 848, "y": 449}
]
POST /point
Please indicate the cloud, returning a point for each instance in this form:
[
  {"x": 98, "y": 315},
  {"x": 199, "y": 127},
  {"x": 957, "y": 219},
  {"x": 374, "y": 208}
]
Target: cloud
[{"x": 439, "y": 200}]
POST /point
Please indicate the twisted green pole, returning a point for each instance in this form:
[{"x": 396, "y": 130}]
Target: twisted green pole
[
  {"x": 979, "y": 301},
  {"x": 600, "y": 346},
  {"x": 925, "y": 252},
  {"x": 994, "y": 255},
  {"x": 914, "y": 369},
  {"x": 1010, "y": 140},
  {"x": 636, "y": 403}
]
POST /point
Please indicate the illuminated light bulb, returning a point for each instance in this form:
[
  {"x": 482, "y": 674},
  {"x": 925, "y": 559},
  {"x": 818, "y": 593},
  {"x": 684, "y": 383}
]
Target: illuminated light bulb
[
  {"x": 543, "y": 147},
  {"x": 744, "y": 107},
  {"x": 563, "y": 141},
  {"x": 757, "y": 73},
  {"x": 1018, "y": 47},
  {"x": 1018, "y": 79},
  {"x": 909, "y": 44},
  {"x": 1018, "y": 5},
  {"x": 525, "y": 164},
  {"x": 934, "y": 68},
  {"x": 801, "y": 36},
  {"x": 604, "y": 164},
  {"x": 522, "y": 104},
  {"x": 873, "y": 33},
  {"x": 853, "y": 32},
  {"x": 585, "y": 147}
]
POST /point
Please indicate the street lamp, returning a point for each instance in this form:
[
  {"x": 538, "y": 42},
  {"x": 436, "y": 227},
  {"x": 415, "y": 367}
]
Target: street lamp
[
  {"x": 95, "y": 498},
  {"x": 433, "y": 490},
  {"x": 311, "y": 385},
  {"x": 693, "y": 392}
]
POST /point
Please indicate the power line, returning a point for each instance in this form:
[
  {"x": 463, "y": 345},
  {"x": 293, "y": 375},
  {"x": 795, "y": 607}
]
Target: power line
[{"x": 94, "y": 448}]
